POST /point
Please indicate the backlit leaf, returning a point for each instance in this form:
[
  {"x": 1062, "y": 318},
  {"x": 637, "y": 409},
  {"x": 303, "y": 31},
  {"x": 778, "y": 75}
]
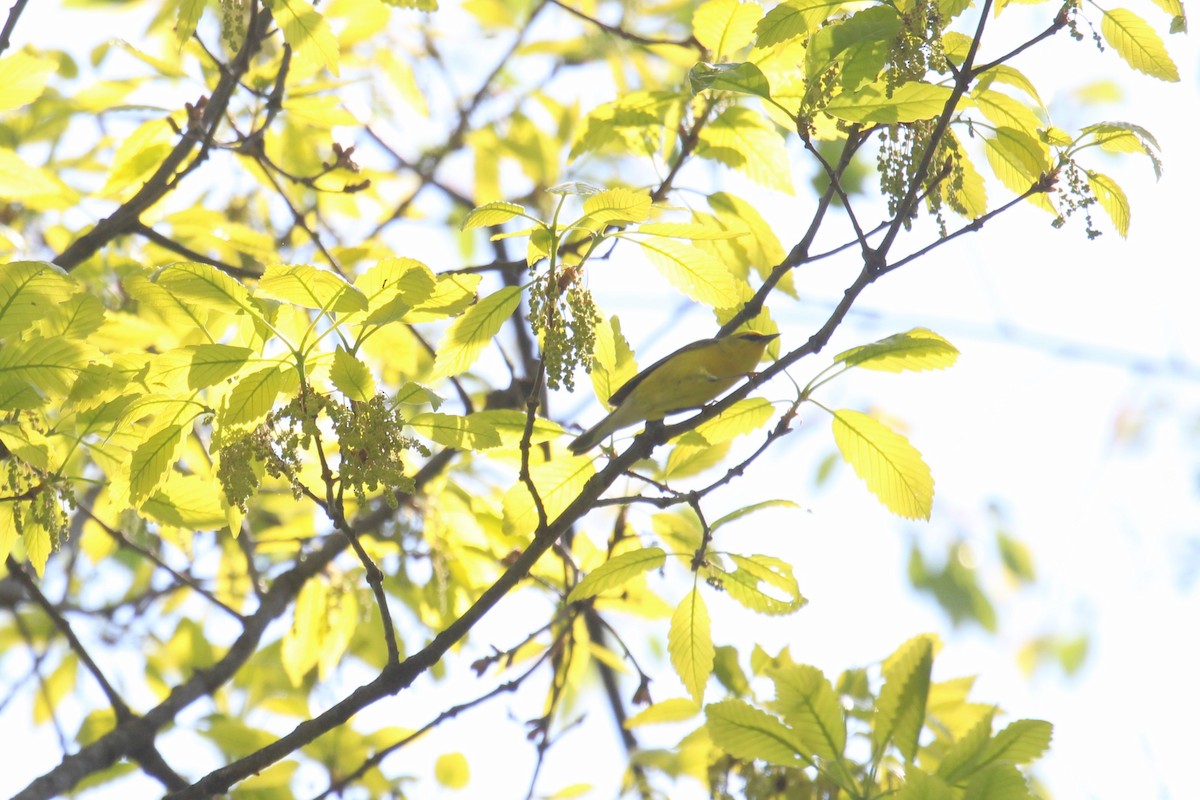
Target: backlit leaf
[
  {"x": 152, "y": 461},
  {"x": 48, "y": 364},
  {"x": 558, "y": 483},
  {"x": 618, "y": 206},
  {"x": 22, "y": 78},
  {"x": 725, "y": 26},
  {"x": 1137, "y": 43},
  {"x": 474, "y": 330},
  {"x": 908, "y": 102},
  {"x": 807, "y": 702},
  {"x": 900, "y": 707},
  {"x": 465, "y": 433},
  {"x": 1017, "y": 158},
  {"x": 748, "y": 733},
  {"x": 891, "y": 467},
  {"x": 793, "y": 18},
  {"x": 352, "y": 377},
  {"x": 675, "y": 709},
  {"x": 689, "y": 643},
  {"x": 1021, "y": 742},
  {"x": 763, "y": 584},
  {"x": 204, "y": 285},
  {"x": 692, "y": 271},
  {"x": 307, "y": 32},
  {"x": 209, "y": 364},
  {"x": 918, "y": 349},
  {"x": 309, "y": 287},
  {"x": 253, "y": 397},
  {"x": 301, "y": 646},
  {"x": 452, "y": 770},
  {"x": 744, "y": 78},
  {"x": 617, "y": 571},
  {"x": 489, "y": 214},
  {"x": 1112, "y": 199},
  {"x": 29, "y": 290},
  {"x": 746, "y": 141}
]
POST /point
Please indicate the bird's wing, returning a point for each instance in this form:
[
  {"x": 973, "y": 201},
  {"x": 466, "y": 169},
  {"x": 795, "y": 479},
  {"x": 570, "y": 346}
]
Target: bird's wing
[{"x": 619, "y": 395}]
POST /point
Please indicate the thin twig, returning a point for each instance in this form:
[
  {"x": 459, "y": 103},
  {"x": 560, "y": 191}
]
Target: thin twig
[{"x": 14, "y": 14}]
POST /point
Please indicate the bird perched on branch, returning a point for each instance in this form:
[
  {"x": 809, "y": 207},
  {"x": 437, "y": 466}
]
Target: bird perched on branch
[{"x": 686, "y": 379}]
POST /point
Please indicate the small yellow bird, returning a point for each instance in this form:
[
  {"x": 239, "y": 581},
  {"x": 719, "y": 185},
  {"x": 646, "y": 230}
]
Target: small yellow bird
[{"x": 688, "y": 378}]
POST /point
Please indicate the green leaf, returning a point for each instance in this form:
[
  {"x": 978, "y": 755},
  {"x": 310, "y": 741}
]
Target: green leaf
[
  {"x": 209, "y": 364},
  {"x": 618, "y": 206},
  {"x": 744, "y": 78},
  {"x": 807, "y": 702},
  {"x": 152, "y": 461},
  {"x": 309, "y": 287},
  {"x": 747, "y": 733},
  {"x": 38, "y": 546},
  {"x": 307, "y": 32},
  {"x": 793, "y": 18},
  {"x": 352, "y": 377},
  {"x": 908, "y": 102},
  {"x": 689, "y": 643},
  {"x": 509, "y": 425},
  {"x": 919, "y": 785},
  {"x": 1112, "y": 199},
  {"x": 900, "y": 707},
  {"x": 47, "y": 364},
  {"x": 29, "y": 291},
  {"x": 1018, "y": 561},
  {"x": 76, "y": 318},
  {"x": 452, "y": 295},
  {"x": 189, "y": 16},
  {"x": 725, "y": 26},
  {"x": 22, "y": 78},
  {"x": 1021, "y": 742},
  {"x": 205, "y": 286},
  {"x": 742, "y": 417},
  {"x": 693, "y": 271},
  {"x": 746, "y": 141},
  {"x": 474, "y": 330},
  {"x": 617, "y": 571},
  {"x": 301, "y": 645},
  {"x": 490, "y": 214},
  {"x": 254, "y": 396},
  {"x": 36, "y": 187},
  {"x": 1137, "y": 43},
  {"x": 676, "y": 709},
  {"x": 186, "y": 501},
  {"x": 962, "y": 757},
  {"x": 861, "y": 42},
  {"x": 464, "y": 433},
  {"x": 1018, "y": 159},
  {"x": 1005, "y": 112},
  {"x": 558, "y": 484},
  {"x": 891, "y": 467},
  {"x": 745, "y": 584},
  {"x": 452, "y": 770},
  {"x": 27, "y": 444},
  {"x": 750, "y": 509},
  {"x": 998, "y": 783},
  {"x": 918, "y": 349}
]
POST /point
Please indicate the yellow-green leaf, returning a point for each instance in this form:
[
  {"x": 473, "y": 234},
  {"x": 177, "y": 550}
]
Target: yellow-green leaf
[
  {"x": 689, "y": 643},
  {"x": 675, "y": 709},
  {"x": 619, "y": 206},
  {"x": 1137, "y": 43},
  {"x": 36, "y": 187},
  {"x": 38, "y": 546},
  {"x": 900, "y": 707},
  {"x": 209, "y": 364},
  {"x": 725, "y": 26},
  {"x": 617, "y": 571},
  {"x": 205, "y": 286},
  {"x": 918, "y": 349},
  {"x": 1017, "y": 158},
  {"x": 254, "y": 396},
  {"x": 807, "y": 702},
  {"x": 1004, "y": 111},
  {"x": 474, "y": 331},
  {"x": 1021, "y": 742},
  {"x": 465, "y": 433},
  {"x": 689, "y": 230},
  {"x": 750, "y": 734},
  {"x": 48, "y": 364},
  {"x": 452, "y": 770},
  {"x": 489, "y": 214},
  {"x": 747, "y": 584},
  {"x": 744, "y": 140},
  {"x": 307, "y": 32},
  {"x": 29, "y": 291},
  {"x": 793, "y": 18},
  {"x": 908, "y": 102},
  {"x": 558, "y": 483},
  {"x": 309, "y": 287},
  {"x": 186, "y": 501},
  {"x": 614, "y": 361},
  {"x": 509, "y": 425},
  {"x": 300, "y": 649},
  {"x": 152, "y": 461},
  {"x": 27, "y": 444},
  {"x": 695, "y": 272},
  {"x": 352, "y": 377},
  {"x": 743, "y": 78},
  {"x": 22, "y": 78},
  {"x": 962, "y": 757},
  {"x": 189, "y": 17},
  {"x": 891, "y": 467},
  {"x": 1112, "y": 199}
]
